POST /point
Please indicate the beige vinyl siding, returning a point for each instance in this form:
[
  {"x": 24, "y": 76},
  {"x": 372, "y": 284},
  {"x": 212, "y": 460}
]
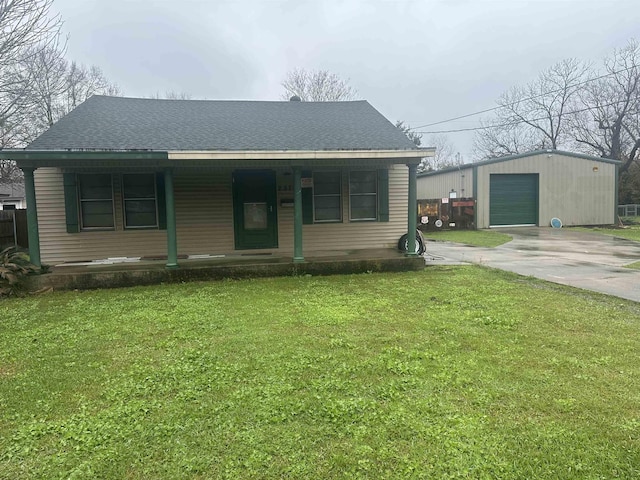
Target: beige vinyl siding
[
  {"x": 56, "y": 245},
  {"x": 204, "y": 221},
  {"x": 569, "y": 188},
  {"x": 204, "y": 212},
  {"x": 439, "y": 186},
  {"x": 358, "y": 235}
]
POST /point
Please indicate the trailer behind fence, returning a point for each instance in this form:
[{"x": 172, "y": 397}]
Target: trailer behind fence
[{"x": 446, "y": 213}]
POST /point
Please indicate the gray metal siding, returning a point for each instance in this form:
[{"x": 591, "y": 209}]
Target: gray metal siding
[
  {"x": 569, "y": 188},
  {"x": 439, "y": 186}
]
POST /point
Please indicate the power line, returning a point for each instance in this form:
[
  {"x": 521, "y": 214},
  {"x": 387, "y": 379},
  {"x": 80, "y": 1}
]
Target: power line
[
  {"x": 522, "y": 100},
  {"x": 513, "y": 123}
]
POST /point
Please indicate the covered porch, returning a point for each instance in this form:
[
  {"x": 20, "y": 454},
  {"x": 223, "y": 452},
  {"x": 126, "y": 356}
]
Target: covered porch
[{"x": 300, "y": 241}]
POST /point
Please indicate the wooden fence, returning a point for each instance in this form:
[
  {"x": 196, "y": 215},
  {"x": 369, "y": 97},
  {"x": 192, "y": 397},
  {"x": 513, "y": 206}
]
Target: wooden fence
[{"x": 13, "y": 228}]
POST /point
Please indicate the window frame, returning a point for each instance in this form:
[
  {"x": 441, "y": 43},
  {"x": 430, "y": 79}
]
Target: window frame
[
  {"x": 125, "y": 199},
  {"x": 339, "y": 195},
  {"x": 375, "y": 195},
  {"x": 81, "y": 201}
]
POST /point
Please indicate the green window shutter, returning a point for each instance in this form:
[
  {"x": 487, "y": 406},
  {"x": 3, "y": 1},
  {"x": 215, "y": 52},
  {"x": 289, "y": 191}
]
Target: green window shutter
[
  {"x": 307, "y": 201},
  {"x": 161, "y": 201},
  {"x": 71, "y": 202},
  {"x": 383, "y": 195}
]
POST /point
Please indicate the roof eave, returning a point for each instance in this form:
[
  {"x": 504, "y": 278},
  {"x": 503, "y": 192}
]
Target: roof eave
[
  {"x": 35, "y": 155},
  {"x": 296, "y": 154},
  {"x": 490, "y": 161},
  {"x": 37, "y": 158}
]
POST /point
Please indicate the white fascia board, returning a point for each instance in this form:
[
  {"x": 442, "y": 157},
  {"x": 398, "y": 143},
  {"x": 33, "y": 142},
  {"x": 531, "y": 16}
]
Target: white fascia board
[{"x": 296, "y": 154}]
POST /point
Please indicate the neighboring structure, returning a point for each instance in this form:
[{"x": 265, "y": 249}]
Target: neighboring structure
[
  {"x": 531, "y": 188},
  {"x": 125, "y": 177},
  {"x": 12, "y": 196}
]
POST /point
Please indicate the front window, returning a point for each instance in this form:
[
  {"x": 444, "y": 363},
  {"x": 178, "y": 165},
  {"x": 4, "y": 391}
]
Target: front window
[
  {"x": 96, "y": 201},
  {"x": 327, "y": 198},
  {"x": 363, "y": 195},
  {"x": 139, "y": 196}
]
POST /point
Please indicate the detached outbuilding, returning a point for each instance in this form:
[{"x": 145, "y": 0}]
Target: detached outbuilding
[{"x": 531, "y": 188}]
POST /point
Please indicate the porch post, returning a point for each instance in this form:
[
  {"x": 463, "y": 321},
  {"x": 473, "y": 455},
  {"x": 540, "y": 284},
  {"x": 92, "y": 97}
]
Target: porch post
[
  {"x": 32, "y": 217},
  {"x": 172, "y": 243},
  {"x": 297, "y": 215},
  {"x": 413, "y": 210}
]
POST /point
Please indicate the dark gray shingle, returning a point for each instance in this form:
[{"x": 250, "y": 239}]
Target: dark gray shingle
[{"x": 117, "y": 123}]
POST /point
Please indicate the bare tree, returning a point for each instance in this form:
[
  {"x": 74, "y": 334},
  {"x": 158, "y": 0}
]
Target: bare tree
[
  {"x": 608, "y": 125},
  {"x": 83, "y": 81},
  {"x": 46, "y": 71},
  {"x": 172, "y": 95},
  {"x": 25, "y": 24},
  {"x": 499, "y": 140},
  {"x": 317, "y": 86},
  {"x": 36, "y": 84},
  {"x": 534, "y": 116},
  {"x": 55, "y": 87},
  {"x": 445, "y": 154},
  {"x": 25, "y": 27}
]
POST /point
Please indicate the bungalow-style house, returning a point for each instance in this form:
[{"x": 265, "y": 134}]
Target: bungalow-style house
[{"x": 129, "y": 177}]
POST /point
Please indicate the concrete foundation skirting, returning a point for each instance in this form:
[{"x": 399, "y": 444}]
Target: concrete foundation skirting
[{"x": 61, "y": 280}]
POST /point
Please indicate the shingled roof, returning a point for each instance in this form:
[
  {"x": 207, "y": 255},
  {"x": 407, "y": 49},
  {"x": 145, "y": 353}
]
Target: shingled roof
[{"x": 118, "y": 123}]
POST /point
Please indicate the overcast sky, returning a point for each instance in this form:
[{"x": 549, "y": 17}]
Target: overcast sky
[{"x": 420, "y": 61}]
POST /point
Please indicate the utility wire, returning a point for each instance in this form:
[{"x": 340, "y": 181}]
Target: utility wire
[
  {"x": 522, "y": 100},
  {"x": 517, "y": 122}
]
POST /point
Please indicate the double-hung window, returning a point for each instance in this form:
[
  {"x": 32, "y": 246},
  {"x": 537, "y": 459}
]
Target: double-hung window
[
  {"x": 327, "y": 197},
  {"x": 96, "y": 201},
  {"x": 139, "y": 200},
  {"x": 363, "y": 195}
]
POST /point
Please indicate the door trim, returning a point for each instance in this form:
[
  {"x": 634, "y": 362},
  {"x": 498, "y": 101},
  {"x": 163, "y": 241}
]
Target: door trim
[{"x": 245, "y": 239}]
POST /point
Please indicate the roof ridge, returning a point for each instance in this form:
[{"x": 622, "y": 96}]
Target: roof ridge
[{"x": 287, "y": 102}]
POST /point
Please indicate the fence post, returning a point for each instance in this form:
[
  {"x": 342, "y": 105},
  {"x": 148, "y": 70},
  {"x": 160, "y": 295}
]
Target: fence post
[{"x": 15, "y": 228}]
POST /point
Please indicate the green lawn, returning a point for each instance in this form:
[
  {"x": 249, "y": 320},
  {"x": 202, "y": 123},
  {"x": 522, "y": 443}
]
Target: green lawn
[
  {"x": 630, "y": 220},
  {"x": 631, "y": 232},
  {"x": 478, "y": 238},
  {"x": 452, "y": 372}
]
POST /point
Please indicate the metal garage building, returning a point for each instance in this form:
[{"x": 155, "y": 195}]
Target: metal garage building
[{"x": 531, "y": 188}]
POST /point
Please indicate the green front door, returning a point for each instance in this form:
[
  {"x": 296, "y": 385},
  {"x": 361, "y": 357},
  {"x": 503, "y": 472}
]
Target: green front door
[
  {"x": 513, "y": 199},
  {"x": 254, "y": 209}
]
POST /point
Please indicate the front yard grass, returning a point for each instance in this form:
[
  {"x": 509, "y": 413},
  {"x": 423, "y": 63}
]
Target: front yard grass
[
  {"x": 452, "y": 372},
  {"x": 478, "y": 238},
  {"x": 630, "y": 232}
]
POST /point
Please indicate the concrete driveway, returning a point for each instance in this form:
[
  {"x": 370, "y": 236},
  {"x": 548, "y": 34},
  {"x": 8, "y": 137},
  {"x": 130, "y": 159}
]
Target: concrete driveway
[{"x": 580, "y": 259}]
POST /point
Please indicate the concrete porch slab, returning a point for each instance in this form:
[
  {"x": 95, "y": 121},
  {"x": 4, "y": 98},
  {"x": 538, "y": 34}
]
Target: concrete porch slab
[{"x": 149, "y": 272}]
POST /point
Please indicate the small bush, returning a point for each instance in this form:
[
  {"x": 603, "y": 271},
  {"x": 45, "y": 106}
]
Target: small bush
[{"x": 14, "y": 267}]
